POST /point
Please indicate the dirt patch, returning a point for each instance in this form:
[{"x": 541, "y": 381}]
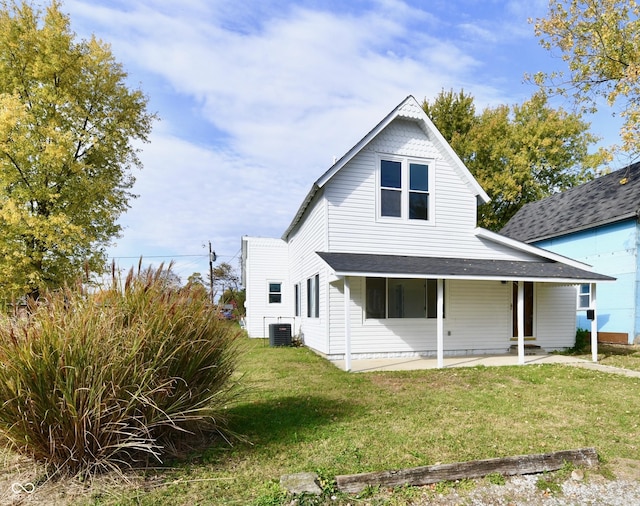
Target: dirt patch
[{"x": 24, "y": 483}]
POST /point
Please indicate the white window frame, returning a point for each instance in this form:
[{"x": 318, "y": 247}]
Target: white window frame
[
  {"x": 405, "y": 163},
  {"x": 313, "y": 296},
  {"x": 428, "y": 302},
  {"x": 581, "y": 294},
  {"x": 274, "y": 292},
  {"x": 297, "y": 289}
]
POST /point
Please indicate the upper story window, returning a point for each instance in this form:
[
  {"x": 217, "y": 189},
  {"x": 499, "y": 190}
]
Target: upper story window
[
  {"x": 405, "y": 189},
  {"x": 275, "y": 293},
  {"x": 584, "y": 296}
]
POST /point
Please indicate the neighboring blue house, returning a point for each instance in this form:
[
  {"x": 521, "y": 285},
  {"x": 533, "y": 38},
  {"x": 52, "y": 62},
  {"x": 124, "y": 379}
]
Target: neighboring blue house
[{"x": 595, "y": 223}]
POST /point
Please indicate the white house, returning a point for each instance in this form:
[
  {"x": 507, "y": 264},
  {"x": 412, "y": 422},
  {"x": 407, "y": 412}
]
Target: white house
[{"x": 384, "y": 259}]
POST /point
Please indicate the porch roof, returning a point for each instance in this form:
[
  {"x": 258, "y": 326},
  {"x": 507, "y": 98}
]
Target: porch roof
[{"x": 361, "y": 264}]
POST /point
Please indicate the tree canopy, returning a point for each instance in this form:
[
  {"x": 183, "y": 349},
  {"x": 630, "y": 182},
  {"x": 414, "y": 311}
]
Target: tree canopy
[
  {"x": 600, "y": 42},
  {"x": 69, "y": 125},
  {"x": 518, "y": 153}
]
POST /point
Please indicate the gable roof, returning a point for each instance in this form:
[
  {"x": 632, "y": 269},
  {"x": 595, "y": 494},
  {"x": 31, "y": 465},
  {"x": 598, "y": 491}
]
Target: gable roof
[
  {"x": 408, "y": 109},
  {"x": 607, "y": 199}
]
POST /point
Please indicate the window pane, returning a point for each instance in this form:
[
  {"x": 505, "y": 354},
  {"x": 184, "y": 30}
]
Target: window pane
[
  {"x": 418, "y": 206},
  {"x": 390, "y": 174},
  {"x": 418, "y": 177},
  {"x": 432, "y": 298},
  {"x": 316, "y": 296},
  {"x": 585, "y": 288},
  {"x": 275, "y": 298},
  {"x": 390, "y": 203},
  {"x": 584, "y": 301},
  {"x": 274, "y": 287},
  {"x": 407, "y": 298},
  {"x": 376, "y": 288}
]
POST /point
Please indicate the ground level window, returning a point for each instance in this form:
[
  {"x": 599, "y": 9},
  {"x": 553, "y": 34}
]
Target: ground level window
[
  {"x": 313, "y": 297},
  {"x": 401, "y": 298},
  {"x": 584, "y": 296},
  {"x": 275, "y": 293},
  {"x": 297, "y": 299}
]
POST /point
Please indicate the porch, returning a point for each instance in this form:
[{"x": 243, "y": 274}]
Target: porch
[{"x": 417, "y": 363}]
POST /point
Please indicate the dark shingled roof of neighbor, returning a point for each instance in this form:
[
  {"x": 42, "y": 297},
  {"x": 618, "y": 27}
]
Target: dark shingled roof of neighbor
[{"x": 607, "y": 199}]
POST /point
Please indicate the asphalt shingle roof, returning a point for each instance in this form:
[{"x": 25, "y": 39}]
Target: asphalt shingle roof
[
  {"x": 397, "y": 265},
  {"x": 607, "y": 199}
]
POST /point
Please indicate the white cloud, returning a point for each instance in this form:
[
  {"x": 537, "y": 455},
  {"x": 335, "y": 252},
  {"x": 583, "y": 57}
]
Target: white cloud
[{"x": 287, "y": 88}]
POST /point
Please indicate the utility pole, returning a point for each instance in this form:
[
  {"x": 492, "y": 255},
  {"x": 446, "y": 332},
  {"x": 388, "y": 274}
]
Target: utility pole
[{"x": 212, "y": 258}]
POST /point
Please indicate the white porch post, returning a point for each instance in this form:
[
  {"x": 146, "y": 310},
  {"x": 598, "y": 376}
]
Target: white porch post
[
  {"x": 440, "y": 323},
  {"x": 594, "y": 325},
  {"x": 347, "y": 324},
  {"x": 520, "y": 322}
]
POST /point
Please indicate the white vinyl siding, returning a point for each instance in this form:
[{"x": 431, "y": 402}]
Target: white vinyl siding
[
  {"x": 554, "y": 330},
  {"x": 266, "y": 260},
  {"x": 309, "y": 237},
  {"x": 352, "y": 207}
]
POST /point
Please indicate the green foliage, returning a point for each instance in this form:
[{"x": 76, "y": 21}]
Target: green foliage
[
  {"x": 272, "y": 495},
  {"x": 549, "y": 484},
  {"x": 94, "y": 382},
  {"x": 582, "y": 341},
  {"x": 68, "y": 124},
  {"x": 518, "y": 154},
  {"x": 599, "y": 42},
  {"x": 496, "y": 479}
]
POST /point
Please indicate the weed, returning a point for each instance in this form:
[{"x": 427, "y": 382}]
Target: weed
[
  {"x": 496, "y": 479},
  {"x": 548, "y": 483}
]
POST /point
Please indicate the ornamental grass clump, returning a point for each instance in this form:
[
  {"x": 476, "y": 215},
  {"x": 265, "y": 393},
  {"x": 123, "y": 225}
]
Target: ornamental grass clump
[{"x": 91, "y": 383}]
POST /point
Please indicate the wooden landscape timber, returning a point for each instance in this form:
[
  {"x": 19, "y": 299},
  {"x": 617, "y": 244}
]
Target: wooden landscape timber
[{"x": 506, "y": 466}]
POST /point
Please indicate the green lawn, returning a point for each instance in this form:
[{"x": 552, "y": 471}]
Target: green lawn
[
  {"x": 625, "y": 356},
  {"x": 300, "y": 413}
]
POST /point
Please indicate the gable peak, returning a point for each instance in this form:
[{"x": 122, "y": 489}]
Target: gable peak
[{"x": 410, "y": 109}]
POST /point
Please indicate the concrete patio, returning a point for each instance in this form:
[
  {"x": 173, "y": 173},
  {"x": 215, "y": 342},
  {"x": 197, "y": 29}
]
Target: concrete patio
[{"x": 416, "y": 363}]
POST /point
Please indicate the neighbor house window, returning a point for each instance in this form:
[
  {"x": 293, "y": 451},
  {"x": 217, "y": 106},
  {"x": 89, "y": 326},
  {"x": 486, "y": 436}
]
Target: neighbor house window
[
  {"x": 405, "y": 189},
  {"x": 584, "y": 296},
  {"x": 401, "y": 298},
  {"x": 313, "y": 297},
  {"x": 275, "y": 293}
]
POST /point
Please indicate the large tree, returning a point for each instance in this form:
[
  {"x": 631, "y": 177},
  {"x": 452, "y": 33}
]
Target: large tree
[
  {"x": 68, "y": 131},
  {"x": 518, "y": 153},
  {"x": 600, "y": 42}
]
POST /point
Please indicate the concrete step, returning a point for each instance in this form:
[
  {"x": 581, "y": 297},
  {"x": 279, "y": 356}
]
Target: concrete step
[{"x": 529, "y": 349}]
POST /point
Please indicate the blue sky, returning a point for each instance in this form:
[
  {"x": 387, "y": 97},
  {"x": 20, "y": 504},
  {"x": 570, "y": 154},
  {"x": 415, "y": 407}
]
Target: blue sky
[{"x": 256, "y": 98}]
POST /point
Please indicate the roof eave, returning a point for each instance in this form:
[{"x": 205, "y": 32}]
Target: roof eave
[
  {"x": 527, "y": 248},
  {"x": 467, "y": 277},
  {"x": 617, "y": 219}
]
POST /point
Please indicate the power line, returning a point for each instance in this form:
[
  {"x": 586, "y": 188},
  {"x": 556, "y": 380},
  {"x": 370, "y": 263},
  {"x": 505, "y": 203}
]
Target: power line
[{"x": 170, "y": 256}]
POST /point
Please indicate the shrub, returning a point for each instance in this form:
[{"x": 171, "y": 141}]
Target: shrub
[
  {"x": 582, "y": 340},
  {"x": 92, "y": 383}
]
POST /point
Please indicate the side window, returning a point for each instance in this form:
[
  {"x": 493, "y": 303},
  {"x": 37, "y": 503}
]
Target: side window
[
  {"x": 297, "y": 298},
  {"x": 275, "y": 293},
  {"x": 584, "y": 296},
  {"x": 313, "y": 297}
]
